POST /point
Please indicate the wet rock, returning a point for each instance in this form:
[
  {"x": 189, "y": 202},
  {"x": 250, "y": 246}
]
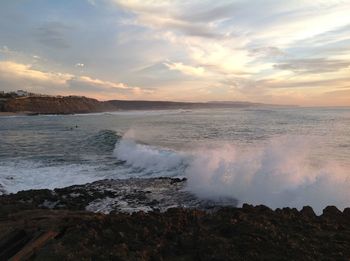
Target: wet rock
[
  {"x": 178, "y": 180},
  {"x": 105, "y": 196}
]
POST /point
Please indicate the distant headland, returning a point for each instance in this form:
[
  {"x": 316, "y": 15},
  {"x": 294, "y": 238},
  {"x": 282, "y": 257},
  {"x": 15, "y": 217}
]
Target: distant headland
[{"x": 24, "y": 102}]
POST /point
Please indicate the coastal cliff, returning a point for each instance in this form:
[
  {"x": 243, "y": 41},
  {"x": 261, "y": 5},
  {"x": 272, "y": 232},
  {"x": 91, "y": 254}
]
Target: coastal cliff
[{"x": 55, "y": 105}]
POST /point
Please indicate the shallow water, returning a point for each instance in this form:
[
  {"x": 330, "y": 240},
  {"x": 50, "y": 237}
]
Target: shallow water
[{"x": 276, "y": 156}]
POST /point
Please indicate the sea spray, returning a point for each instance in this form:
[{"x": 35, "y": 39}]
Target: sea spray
[{"x": 278, "y": 174}]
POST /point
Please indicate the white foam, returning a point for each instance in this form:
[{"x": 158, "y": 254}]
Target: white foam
[
  {"x": 278, "y": 174},
  {"x": 26, "y": 175}
]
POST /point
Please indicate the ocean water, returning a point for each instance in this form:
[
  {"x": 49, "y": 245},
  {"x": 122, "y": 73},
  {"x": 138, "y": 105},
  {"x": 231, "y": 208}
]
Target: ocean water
[{"x": 273, "y": 156}]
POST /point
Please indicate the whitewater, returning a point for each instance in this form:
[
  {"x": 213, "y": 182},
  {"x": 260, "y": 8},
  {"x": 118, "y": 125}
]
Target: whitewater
[{"x": 278, "y": 157}]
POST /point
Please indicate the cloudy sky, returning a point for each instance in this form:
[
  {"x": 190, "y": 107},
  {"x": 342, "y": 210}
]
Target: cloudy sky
[{"x": 272, "y": 51}]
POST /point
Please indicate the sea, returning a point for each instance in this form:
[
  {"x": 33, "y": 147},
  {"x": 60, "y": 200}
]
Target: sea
[{"x": 276, "y": 156}]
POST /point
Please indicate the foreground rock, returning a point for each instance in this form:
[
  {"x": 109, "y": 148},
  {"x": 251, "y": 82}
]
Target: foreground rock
[
  {"x": 54, "y": 225},
  {"x": 177, "y": 234}
]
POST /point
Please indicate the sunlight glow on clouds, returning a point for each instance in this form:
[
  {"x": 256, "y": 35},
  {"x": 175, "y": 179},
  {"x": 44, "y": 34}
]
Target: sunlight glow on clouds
[
  {"x": 285, "y": 52},
  {"x": 17, "y": 75},
  {"x": 186, "y": 69},
  {"x": 9, "y": 69}
]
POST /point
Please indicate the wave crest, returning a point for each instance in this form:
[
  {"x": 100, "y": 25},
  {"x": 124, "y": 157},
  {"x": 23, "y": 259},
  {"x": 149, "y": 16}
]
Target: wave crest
[
  {"x": 279, "y": 173},
  {"x": 149, "y": 159}
]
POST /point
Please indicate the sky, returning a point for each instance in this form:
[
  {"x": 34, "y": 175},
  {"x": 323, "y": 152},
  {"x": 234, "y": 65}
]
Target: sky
[{"x": 270, "y": 51}]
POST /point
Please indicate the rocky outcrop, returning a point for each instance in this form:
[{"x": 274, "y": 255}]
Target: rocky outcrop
[
  {"x": 253, "y": 233},
  {"x": 55, "y": 105},
  {"x": 53, "y": 225}
]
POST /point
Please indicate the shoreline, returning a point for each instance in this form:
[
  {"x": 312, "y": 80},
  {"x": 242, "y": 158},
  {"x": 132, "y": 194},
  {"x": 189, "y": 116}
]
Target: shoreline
[
  {"x": 22, "y": 113},
  {"x": 12, "y": 114},
  {"x": 128, "y": 196}
]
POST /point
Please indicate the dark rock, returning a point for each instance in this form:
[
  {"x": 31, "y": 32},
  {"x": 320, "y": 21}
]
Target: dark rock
[
  {"x": 290, "y": 212},
  {"x": 31, "y": 230},
  {"x": 105, "y": 196},
  {"x": 346, "y": 212},
  {"x": 307, "y": 211},
  {"x": 177, "y": 234},
  {"x": 178, "y": 180},
  {"x": 331, "y": 212},
  {"x": 246, "y": 206},
  {"x": 262, "y": 208}
]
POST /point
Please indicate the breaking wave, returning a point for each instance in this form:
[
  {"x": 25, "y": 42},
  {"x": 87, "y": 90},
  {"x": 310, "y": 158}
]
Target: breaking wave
[
  {"x": 150, "y": 160},
  {"x": 278, "y": 173}
]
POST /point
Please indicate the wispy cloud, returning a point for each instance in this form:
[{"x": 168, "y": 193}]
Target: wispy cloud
[
  {"x": 266, "y": 51},
  {"x": 313, "y": 65},
  {"x": 11, "y": 70},
  {"x": 53, "y": 35},
  {"x": 14, "y": 76},
  {"x": 186, "y": 69}
]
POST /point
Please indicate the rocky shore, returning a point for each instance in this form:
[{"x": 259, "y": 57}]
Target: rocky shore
[
  {"x": 114, "y": 196},
  {"x": 156, "y": 219}
]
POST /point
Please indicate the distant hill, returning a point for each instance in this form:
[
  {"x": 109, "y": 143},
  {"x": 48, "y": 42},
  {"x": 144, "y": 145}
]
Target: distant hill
[
  {"x": 161, "y": 105},
  {"x": 79, "y": 104}
]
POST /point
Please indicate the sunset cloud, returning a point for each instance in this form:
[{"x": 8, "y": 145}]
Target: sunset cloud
[
  {"x": 14, "y": 76},
  {"x": 12, "y": 70},
  {"x": 186, "y": 69},
  {"x": 267, "y": 51}
]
